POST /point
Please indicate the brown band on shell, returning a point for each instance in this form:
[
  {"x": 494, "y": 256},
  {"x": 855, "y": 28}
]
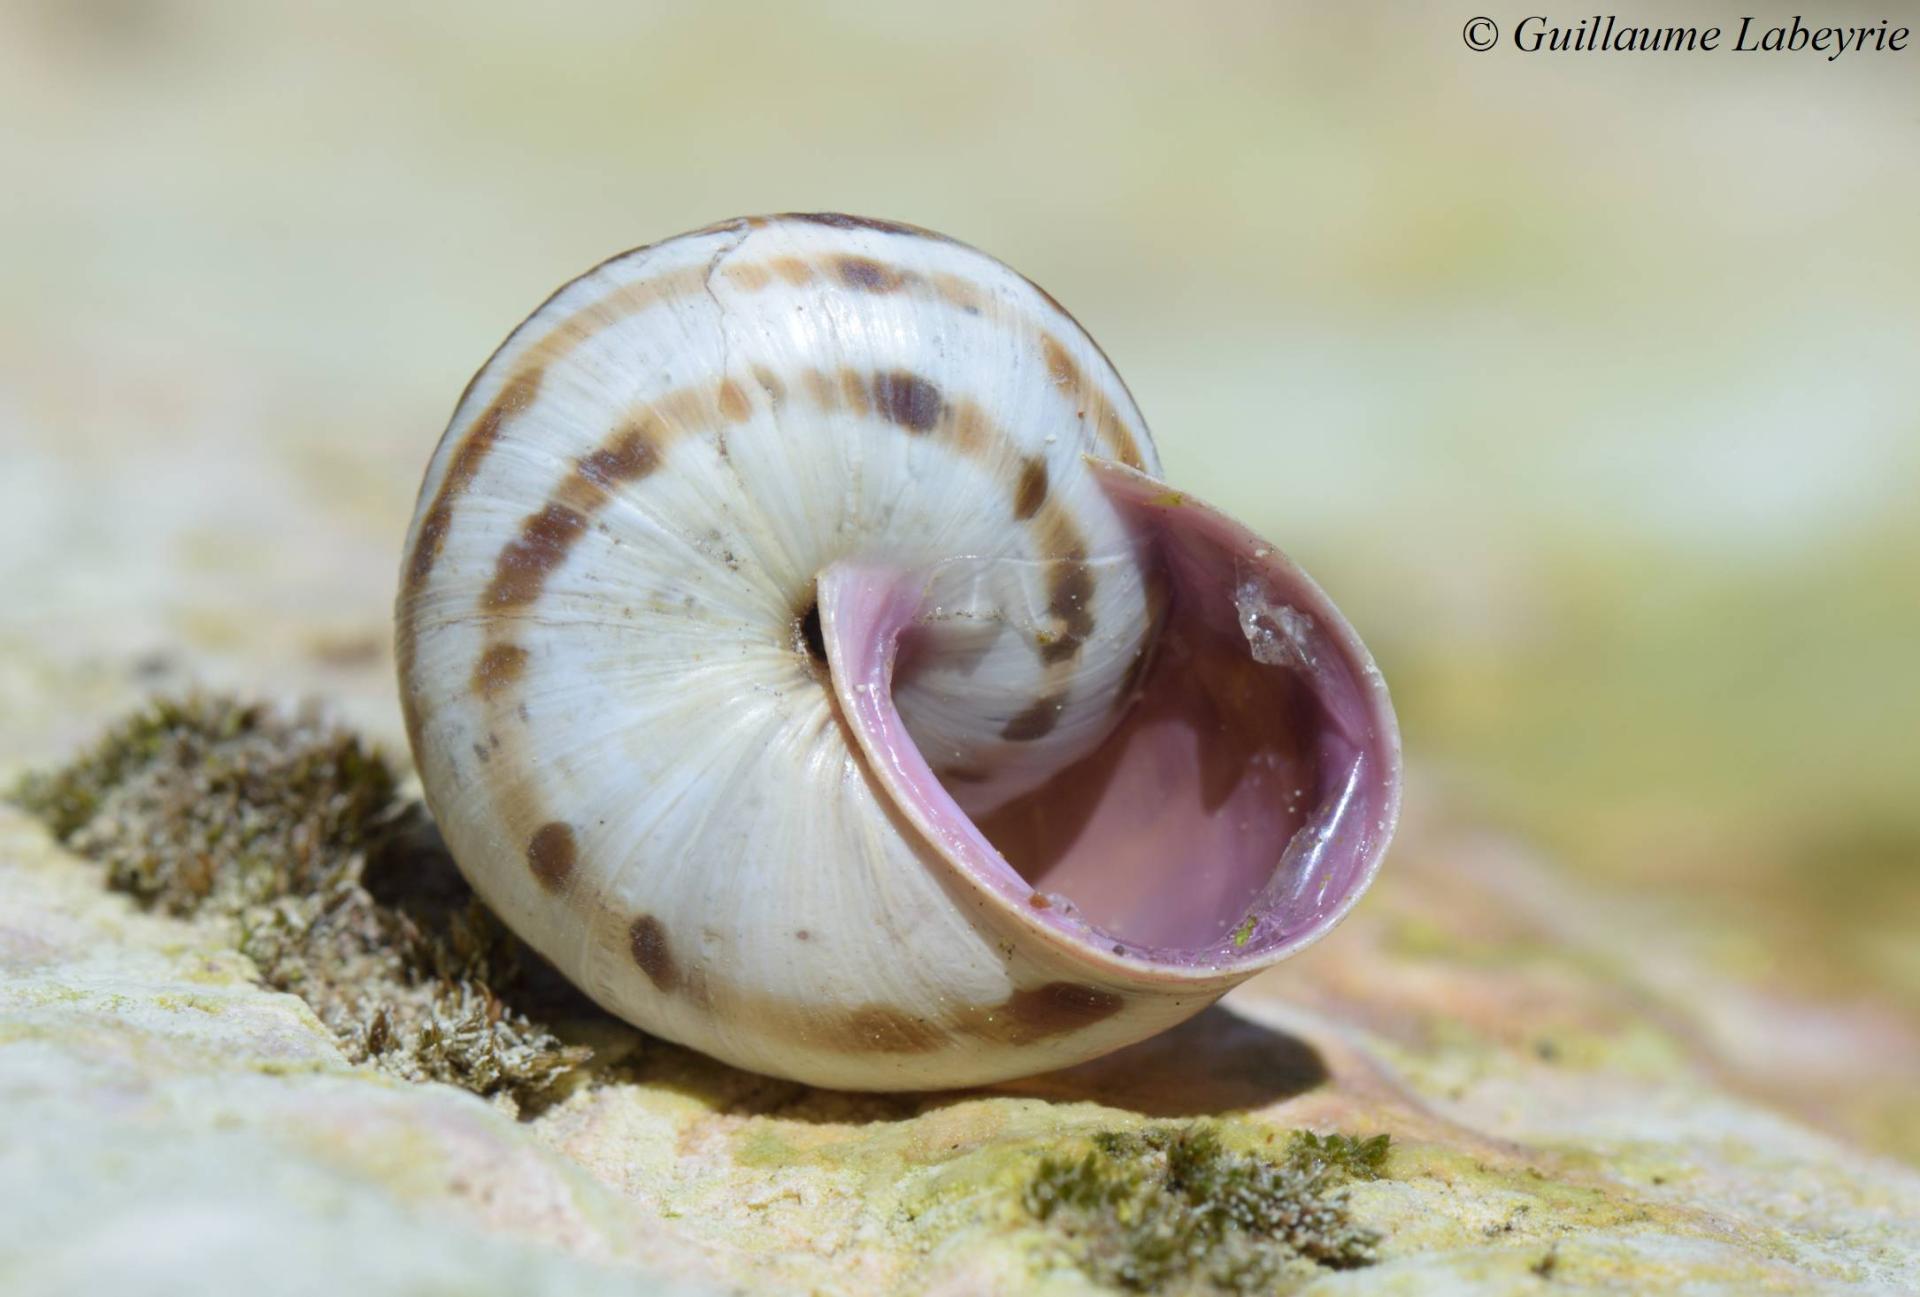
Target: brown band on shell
[
  {"x": 551, "y": 854},
  {"x": 878, "y": 1029},
  {"x": 515, "y": 397},
  {"x": 522, "y": 569},
  {"x": 968, "y": 428},
  {"x": 1036, "y": 722},
  {"x": 1070, "y": 591},
  {"x": 499, "y": 666},
  {"x": 631, "y": 453},
  {"x": 1114, "y": 432},
  {"x": 956, "y": 291},
  {"x": 792, "y": 269},
  {"x": 748, "y": 275},
  {"x": 732, "y": 401},
  {"x": 1031, "y": 490},
  {"x": 1040, "y": 1012},
  {"x": 1037, "y": 1013},
  {"x": 867, "y": 274},
  {"x": 1060, "y": 366},
  {"x": 854, "y": 389},
  {"x": 821, "y": 388},
  {"x": 1088, "y": 399},
  {"x": 638, "y": 447},
  {"x": 1070, "y": 586},
  {"x": 529, "y": 372},
  {"x": 647, "y": 943}
]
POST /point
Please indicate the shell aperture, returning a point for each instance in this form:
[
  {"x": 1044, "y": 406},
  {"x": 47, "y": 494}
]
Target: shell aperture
[{"x": 799, "y": 651}]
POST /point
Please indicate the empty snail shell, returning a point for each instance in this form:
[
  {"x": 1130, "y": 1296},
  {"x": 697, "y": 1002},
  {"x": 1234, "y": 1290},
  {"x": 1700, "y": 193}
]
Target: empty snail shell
[{"x": 799, "y": 650}]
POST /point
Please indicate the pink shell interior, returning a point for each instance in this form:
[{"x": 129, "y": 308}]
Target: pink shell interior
[{"x": 1246, "y": 796}]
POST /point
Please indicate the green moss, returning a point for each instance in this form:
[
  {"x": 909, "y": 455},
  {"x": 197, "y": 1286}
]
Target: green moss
[
  {"x": 1346, "y": 1156},
  {"x": 291, "y": 832},
  {"x": 1172, "y": 1209}
]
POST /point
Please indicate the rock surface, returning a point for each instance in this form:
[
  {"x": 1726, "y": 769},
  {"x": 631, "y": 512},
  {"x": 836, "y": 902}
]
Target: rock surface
[{"x": 1554, "y": 1117}]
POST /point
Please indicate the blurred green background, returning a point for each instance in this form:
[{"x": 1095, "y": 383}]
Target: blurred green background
[{"x": 1589, "y": 384}]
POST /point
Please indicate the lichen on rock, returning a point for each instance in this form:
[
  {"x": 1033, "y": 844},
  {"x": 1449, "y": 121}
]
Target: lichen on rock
[
  {"x": 292, "y": 834},
  {"x": 1173, "y": 1209}
]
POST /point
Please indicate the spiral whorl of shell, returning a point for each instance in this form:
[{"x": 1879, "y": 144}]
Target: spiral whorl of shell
[{"x": 781, "y": 645}]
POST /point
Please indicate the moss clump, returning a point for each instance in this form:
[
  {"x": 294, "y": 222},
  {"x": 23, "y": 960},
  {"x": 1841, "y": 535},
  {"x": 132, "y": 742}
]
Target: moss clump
[
  {"x": 1172, "y": 1209},
  {"x": 1345, "y": 1156},
  {"x": 292, "y": 833}
]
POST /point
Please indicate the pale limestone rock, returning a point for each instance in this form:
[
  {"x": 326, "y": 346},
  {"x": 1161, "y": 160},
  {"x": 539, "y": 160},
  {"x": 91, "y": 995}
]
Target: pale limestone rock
[
  {"x": 166, "y": 1121},
  {"x": 168, "y": 1127}
]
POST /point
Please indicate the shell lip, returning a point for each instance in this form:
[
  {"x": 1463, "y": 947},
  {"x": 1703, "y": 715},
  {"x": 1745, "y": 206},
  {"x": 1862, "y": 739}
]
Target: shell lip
[{"x": 1239, "y": 605}]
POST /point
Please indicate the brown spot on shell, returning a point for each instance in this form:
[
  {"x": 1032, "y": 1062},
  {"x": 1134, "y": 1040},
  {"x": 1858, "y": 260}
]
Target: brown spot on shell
[
  {"x": 647, "y": 943},
  {"x": 908, "y": 400},
  {"x": 1069, "y": 598},
  {"x": 1031, "y": 491},
  {"x": 820, "y": 389},
  {"x": 632, "y": 452},
  {"x": 959, "y": 292},
  {"x": 1060, "y": 366},
  {"x": 1063, "y": 647},
  {"x": 550, "y": 855},
  {"x": 969, "y": 428},
  {"x": 531, "y": 557},
  {"x": 732, "y": 400},
  {"x": 878, "y": 1029},
  {"x": 1036, "y": 722},
  {"x": 500, "y": 666},
  {"x": 854, "y": 389},
  {"x": 865, "y": 275},
  {"x": 1039, "y": 901},
  {"x": 1070, "y": 588},
  {"x": 792, "y": 269}
]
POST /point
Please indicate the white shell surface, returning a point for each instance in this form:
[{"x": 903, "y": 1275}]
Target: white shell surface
[{"x": 618, "y": 724}]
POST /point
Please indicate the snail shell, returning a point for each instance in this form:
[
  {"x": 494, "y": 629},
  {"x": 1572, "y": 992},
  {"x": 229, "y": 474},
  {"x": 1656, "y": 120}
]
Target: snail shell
[{"x": 799, "y": 650}]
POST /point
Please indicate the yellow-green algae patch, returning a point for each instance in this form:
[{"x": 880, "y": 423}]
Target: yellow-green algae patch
[
  {"x": 1225, "y": 1205},
  {"x": 1172, "y": 1208}
]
